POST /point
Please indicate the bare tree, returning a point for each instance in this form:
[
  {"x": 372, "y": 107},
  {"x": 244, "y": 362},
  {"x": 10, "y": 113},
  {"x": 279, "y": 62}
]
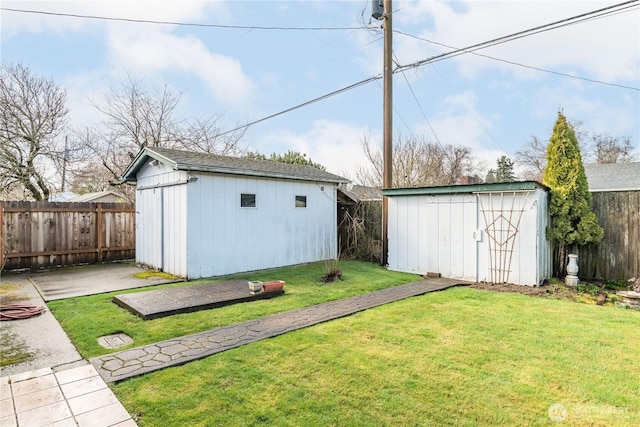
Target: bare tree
[
  {"x": 604, "y": 148},
  {"x": 417, "y": 162},
  {"x": 609, "y": 149},
  {"x": 136, "y": 117},
  {"x": 32, "y": 117},
  {"x": 533, "y": 158}
]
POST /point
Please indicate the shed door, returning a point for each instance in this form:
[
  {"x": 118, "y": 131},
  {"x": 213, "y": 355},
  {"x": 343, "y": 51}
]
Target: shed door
[
  {"x": 149, "y": 228},
  {"x": 434, "y": 234}
]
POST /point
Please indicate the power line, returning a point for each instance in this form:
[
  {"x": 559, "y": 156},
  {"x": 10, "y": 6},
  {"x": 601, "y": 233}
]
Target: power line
[
  {"x": 521, "y": 65},
  {"x": 461, "y": 51},
  {"x": 304, "y": 104},
  {"x": 415, "y": 98},
  {"x": 521, "y": 34},
  {"x": 182, "y": 24}
]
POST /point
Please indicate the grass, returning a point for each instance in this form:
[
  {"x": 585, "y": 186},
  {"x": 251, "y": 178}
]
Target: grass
[
  {"x": 85, "y": 319},
  {"x": 456, "y": 357}
]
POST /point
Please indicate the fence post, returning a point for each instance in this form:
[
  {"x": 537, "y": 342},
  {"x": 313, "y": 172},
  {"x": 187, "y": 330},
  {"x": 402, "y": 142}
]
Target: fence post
[{"x": 99, "y": 231}]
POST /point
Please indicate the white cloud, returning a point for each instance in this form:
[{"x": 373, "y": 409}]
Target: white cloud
[
  {"x": 140, "y": 48},
  {"x": 20, "y": 22},
  {"x": 460, "y": 124},
  {"x": 607, "y": 48},
  {"x": 155, "y": 51},
  {"x": 336, "y": 145}
]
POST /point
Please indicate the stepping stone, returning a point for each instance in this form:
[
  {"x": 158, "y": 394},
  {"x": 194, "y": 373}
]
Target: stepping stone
[{"x": 115, "y": 341}]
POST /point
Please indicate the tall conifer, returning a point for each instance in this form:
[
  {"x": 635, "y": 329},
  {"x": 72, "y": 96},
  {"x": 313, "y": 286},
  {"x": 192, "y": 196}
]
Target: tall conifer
[{"x": 573, "y": 221}]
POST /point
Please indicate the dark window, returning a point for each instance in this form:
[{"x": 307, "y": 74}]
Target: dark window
[
  {"x": 247, "y": 200},
  {"x": 301, "y": 201}
]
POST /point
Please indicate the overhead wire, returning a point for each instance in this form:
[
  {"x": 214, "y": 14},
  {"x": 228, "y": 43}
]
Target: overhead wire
[
  {"x": 596, "y": 14},
  {"x": 558, "y": 73},
  {"x": 304, "y": 104},
  {"x": 443, "y": 56},
  {"x": 176, "y": 23},
  {"x": 415, "y": 98},
  {"x": 524, "y": 33}
]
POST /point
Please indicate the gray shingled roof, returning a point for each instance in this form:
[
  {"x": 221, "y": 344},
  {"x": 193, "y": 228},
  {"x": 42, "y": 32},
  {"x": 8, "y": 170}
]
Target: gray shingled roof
[
  {"x": 613, "y": 177},
  {"x": 202, "y": 162},
  {"x": 361, "y": 193}
]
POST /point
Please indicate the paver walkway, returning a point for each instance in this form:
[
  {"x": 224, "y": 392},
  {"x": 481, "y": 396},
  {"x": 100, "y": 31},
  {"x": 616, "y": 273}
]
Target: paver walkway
[
  {"x": 141, "y": 360},
  {"x": 73, "y": 397}
]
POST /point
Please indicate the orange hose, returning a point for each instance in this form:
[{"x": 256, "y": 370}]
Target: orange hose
[{"x": 17, "y": 312}]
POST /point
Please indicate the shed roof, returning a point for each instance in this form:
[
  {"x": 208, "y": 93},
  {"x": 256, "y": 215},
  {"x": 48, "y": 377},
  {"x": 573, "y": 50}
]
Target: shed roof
[
  {"x": 613, "y": 177},
  {"x": 465, "y": 189},
  {"x": 361, "y": 193},
  {"x": 203, "y": 162}
]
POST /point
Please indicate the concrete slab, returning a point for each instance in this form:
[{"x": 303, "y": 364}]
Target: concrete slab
[
  {"x": 186, "y": 299},
  {"x": 37, "y": 342},
  {"x": 91, "y": 279}
]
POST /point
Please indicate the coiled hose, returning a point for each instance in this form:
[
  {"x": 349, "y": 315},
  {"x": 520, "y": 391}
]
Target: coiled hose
[{"x": 17, "y": 311}]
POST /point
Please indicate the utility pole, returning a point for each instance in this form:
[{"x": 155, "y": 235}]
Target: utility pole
[{"x": 387, "y": 179}]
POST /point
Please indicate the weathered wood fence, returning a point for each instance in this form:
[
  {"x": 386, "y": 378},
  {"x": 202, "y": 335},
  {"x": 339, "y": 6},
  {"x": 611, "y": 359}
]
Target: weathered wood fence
[
  {"x": 617, "y": 257},
  {"x": 43, "y": 234}
]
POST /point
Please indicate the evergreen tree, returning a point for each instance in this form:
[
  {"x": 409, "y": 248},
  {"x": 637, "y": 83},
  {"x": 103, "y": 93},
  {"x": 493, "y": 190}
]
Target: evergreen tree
[
  {"x": 491, "y": 177},
  {"x": 572, "y": 218},
  {"x": 504, "y": 173},
  {"x": 291, "y": 157},
  {"x": 295, "y": 158}
]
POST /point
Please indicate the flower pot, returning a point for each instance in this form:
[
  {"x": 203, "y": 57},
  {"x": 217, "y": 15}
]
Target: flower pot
[
  {"x": 275, "y": 286},
  {"x": 255, "y": 287}
]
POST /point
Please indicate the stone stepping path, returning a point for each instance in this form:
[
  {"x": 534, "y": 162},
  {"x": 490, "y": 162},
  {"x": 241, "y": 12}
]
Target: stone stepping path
[{"x": 149, "y": 358}]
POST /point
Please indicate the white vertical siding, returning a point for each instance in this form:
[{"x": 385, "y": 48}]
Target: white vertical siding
[
  {"x": 433, "y": 234},
  {"x": 518, "y": 247},
  {"x": 437, "y": 233},
  {"x": 161, "y": 219},
  {"x": 224, "y": 238}
]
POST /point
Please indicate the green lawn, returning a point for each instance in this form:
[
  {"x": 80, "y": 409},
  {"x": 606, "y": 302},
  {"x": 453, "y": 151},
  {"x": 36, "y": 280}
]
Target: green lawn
[
  {"x": 456, "y": 357},
  {"x": 87, "y": 318}
]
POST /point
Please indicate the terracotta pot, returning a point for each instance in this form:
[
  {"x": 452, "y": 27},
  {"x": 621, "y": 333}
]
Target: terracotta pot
[{"x": 276, "y": 285}]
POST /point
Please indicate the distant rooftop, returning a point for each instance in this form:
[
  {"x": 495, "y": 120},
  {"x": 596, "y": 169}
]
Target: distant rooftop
[
  {"x": 62, "y": 197},
  {"x": 98, "y": 196},
  {"x": 361, "y": 193},
  {"x": 613, "y": 177}
]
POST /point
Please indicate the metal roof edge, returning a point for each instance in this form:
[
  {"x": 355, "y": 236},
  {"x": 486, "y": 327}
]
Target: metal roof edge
[
  {"x": 129, "y": 174},
  {"x": 465, "y": 189},
  {"x": 258, "y": 174}
]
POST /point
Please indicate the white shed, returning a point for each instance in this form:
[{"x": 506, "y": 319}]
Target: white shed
[
  {"x": 484, "y": 232},
  {"x": 202, "y": 215}
]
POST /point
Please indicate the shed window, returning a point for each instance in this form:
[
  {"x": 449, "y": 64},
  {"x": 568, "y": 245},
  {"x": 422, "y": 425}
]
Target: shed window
[
  {"x": 301, "y": 201},
  {"x": 247, "y": 200}
]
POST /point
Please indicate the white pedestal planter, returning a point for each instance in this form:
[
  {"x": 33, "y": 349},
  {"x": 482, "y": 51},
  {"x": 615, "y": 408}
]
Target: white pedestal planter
[
  {"x": 255, "y": 287},
  {"x": 572, "y": 271}
]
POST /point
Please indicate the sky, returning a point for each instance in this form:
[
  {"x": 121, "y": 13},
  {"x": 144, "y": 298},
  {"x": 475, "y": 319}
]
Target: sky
[{"x": 256, "y": 61}]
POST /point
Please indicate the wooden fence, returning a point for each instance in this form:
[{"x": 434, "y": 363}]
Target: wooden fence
[
  {"x": 617, "y": 257},
  {"x": 43, "y": 234}
]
